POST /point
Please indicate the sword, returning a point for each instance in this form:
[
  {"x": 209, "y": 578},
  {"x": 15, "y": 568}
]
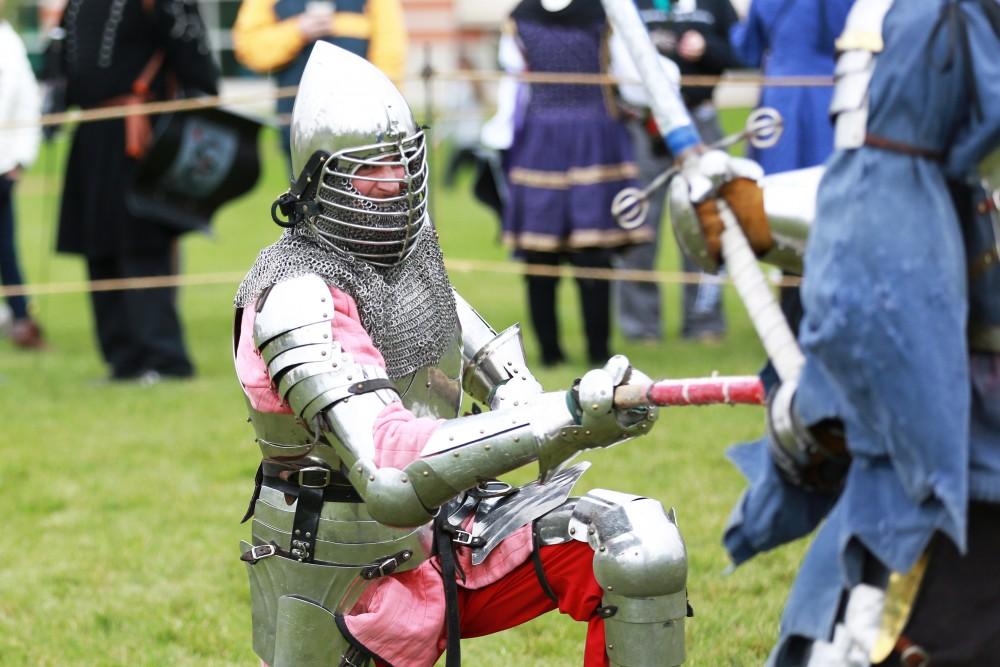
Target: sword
[
  {"x": 664, "y": 99},
  {"x": 729, "y": 390}
]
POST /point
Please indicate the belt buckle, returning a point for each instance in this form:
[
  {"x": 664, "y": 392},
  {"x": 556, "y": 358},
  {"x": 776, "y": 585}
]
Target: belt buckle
[
  {"x": 463, "y": 537},
  {"x": 259, "y": 552},
  {"x": 314, "y": 477}
]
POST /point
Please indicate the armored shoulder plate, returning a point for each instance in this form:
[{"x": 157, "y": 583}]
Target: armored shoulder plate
[
  {"x": 293, "y": 331},
  {"x": 289, "y": 305},
  {"x": 859, "y": 44}
]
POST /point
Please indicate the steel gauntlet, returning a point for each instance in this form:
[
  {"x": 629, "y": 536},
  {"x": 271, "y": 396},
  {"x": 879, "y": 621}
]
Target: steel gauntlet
[
  {"x": 591, "y": 401},
  {"x": 814, "y": 458}
]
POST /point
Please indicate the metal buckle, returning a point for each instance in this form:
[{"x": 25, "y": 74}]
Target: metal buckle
[
  {"x": 387, "y": 566},
  {"x": 301, "y": 549},
  {"x": 463, "y": 537},
  {"x": 314, "y": 477},
  {"x": 260, "y": 552},
  {"x": 492, "y": 488}
]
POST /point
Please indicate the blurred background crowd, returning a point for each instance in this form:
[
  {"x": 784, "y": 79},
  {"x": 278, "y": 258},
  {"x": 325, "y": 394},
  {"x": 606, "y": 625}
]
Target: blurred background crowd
[{"x": 547, "y": 157}]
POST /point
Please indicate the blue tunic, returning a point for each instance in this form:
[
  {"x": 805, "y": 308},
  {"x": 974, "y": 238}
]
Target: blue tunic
[
  {"x": 788, "y": 38},
  {"x": 884, "y": 332}
]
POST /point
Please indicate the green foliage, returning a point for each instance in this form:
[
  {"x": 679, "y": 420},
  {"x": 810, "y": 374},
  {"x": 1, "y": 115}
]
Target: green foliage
[{"x": 121, "y": 503}]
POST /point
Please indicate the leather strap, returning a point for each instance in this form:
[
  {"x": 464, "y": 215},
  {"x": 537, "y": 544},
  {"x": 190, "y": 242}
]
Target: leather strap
[
  {"x": 536, "y": 560},
  {"x": 893, "y": 146},
  {"x": 446, "y": 555}
]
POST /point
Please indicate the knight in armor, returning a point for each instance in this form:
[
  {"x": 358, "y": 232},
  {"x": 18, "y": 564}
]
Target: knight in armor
[
  {"x": 379, "y": 530},
  {"x": 891, "y": 433}
]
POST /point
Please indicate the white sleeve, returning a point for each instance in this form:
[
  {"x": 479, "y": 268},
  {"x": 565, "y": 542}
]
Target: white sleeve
[
  {"x": 622, "y": 67},
  {"x": 498, "y": 131},
  {"x": 22, "y": 106}
]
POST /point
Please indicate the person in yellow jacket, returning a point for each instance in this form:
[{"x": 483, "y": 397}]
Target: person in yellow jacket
[{"x": 276, "y": 37}]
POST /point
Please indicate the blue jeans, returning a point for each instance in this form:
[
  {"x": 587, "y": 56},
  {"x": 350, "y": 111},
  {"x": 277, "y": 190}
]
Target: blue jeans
[{"x": 10, "y": 271}]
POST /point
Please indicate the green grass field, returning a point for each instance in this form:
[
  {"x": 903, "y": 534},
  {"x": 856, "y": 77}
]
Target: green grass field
[{"x": 121, "y": 504}]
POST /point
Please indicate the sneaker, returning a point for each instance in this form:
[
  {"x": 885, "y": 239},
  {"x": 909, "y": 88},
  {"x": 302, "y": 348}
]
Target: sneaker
[{"x": 27, "y": 335}]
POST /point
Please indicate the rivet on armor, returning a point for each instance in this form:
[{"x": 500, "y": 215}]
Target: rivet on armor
[
  {"x": 482, "y": 431},
  {"x": 325, "y": 315},
  {"x": 455, "y": 455},
  {"x": 451, "y": 438},
  {"x": 325, "y": 336},
  {"x": 426, "y": 474},
  {"x": 308, "y": 535},
  {"x": 591, "y": 531},
  {"x": 298, "y": 532},
  {"x": 517, "y": 438},
  {"x": 405, "y": 555},
  {"x": 403, "y": 479},
  {"x": 323, "y": 353},
  {"x": 516, "y": 403},
  {"x": 595, "y": 407},
  {"x": 349, "y": 378},
  {"x": 572, "y": 531},
  {"x": 428, "y": 385},
  {"x": 335, "y": 364},
  {"x": 322, "y": 299},
  {"x": 611, "y": 647},
  {"x": 610, "y": 587},
  {"x": 371, "y": 478},
  {"x": 603, "y": 549},
  {"x": 487, "y": 448},
  {"x": 587, "y": 432}
]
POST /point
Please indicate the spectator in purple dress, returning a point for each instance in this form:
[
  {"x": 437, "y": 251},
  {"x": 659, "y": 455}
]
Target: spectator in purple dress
[{"x": 569, "y": 157}]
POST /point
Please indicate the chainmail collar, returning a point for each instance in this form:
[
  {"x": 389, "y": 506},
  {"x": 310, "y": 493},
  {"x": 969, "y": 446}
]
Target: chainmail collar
[{"x": 408, "y": 309}]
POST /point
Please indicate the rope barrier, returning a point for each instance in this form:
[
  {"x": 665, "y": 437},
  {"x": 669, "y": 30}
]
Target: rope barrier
[
  {"x": 215, "y": 101},
  {"x": 80, "y": 116},
  {"x": 453, "y": 265}
]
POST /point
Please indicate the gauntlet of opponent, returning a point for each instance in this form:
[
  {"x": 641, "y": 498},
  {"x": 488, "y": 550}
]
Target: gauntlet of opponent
[
  {"x": 815, "y": 458},
  {"x": 716, "y": 174}
]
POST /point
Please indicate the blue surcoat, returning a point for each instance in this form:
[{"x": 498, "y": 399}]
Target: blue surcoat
[{"x": 886, "y": 299}]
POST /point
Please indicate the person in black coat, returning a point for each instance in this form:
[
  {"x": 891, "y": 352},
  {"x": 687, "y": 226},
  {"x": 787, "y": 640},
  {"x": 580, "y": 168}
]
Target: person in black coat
[{"x": 119, "y": 52}]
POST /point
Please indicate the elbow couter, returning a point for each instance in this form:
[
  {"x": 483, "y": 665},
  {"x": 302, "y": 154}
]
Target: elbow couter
[{"x": 392, "y": 500}]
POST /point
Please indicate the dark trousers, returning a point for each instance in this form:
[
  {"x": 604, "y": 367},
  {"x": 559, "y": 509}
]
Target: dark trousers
[
  {"x": 956, "y": 616},
  {"x": 595, "y": 302},
  {"x": 138, "y": 330},
  {"x": 10, "y": 270}
]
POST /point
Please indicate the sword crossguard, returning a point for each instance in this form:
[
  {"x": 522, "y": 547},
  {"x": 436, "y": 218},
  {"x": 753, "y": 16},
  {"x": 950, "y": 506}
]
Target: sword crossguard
[
  {"x": 763, "y": 129},
  {"x": 630, "y": 207}
]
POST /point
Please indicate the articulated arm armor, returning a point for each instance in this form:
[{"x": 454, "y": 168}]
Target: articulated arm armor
[{"x": 339, "y": 398}]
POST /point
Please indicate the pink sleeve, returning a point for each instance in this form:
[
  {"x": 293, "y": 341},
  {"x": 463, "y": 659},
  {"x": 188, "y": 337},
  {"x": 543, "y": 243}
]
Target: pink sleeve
[
  {"x": 252, "y": 371},
  {"x": 399, "y": 435}
]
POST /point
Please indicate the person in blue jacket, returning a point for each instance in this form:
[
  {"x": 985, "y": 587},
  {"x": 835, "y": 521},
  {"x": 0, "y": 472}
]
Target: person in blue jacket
[{"x": 784, "y": 38}]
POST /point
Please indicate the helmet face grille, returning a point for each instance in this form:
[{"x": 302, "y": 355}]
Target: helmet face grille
[{"x": 378, "y": 230}]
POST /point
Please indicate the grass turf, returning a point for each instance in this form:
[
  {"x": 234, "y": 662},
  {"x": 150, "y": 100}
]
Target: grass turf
[{"x": 121, "y": 503}]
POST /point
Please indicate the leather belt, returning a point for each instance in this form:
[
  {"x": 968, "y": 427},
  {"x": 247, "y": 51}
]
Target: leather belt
[
  {"x": 893, "y": 146},
  {"x": 314, "y": 484}
]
